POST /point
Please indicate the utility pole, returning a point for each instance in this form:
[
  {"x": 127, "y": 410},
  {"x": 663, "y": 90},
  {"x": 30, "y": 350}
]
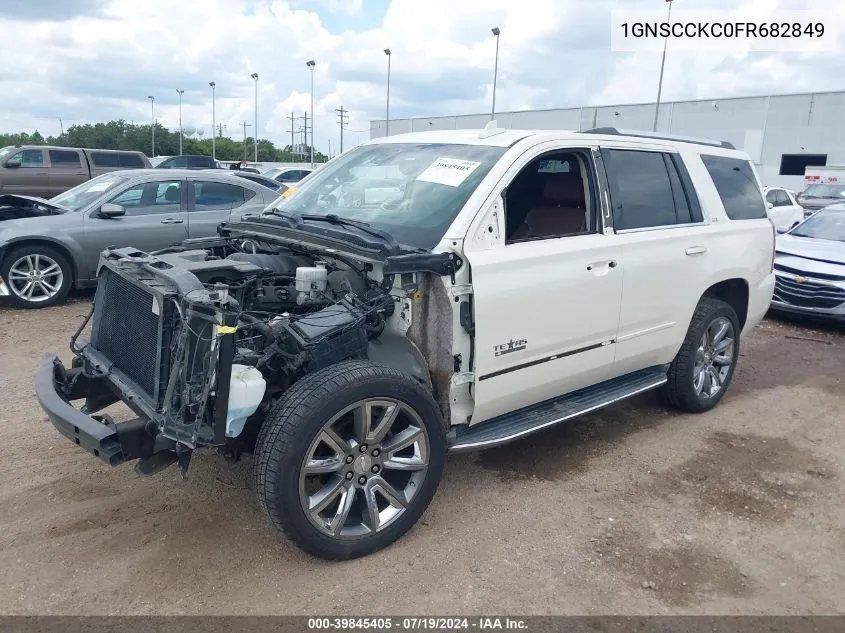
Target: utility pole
[
  {"x": 305, "y": 131},
  {"x": 330, "y": 148},
  {"x": 662, "y": 65},
  {"x": 292, "y": 117},
  {"x": 343, "y": 119},
  {"x": 245, "y": 125},
  {"x": 62, "y": 127}
]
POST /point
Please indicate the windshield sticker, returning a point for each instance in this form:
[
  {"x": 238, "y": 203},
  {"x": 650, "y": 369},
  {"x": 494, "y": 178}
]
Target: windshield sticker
[
  {"x": 291, "y": 190},
  {"x": 100, "y": 186},
  {"x": 448, "y": 171}
]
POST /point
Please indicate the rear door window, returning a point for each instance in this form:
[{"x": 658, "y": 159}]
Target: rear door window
[
  {"x": 151, "y": 197},
  {"x": 738, "y": 188},
  {"x": 210, "y": 196},
  {"x": 204, "y": 162},
  {"x": 65, "y": 158}
]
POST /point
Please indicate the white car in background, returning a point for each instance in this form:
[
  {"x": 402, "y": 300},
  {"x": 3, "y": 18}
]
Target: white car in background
[{"x": 783, "y": 208}]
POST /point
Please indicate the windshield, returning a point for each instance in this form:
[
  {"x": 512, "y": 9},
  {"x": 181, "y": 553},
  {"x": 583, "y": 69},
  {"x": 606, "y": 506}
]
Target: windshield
[
  {"x": 412, "y": 191},
  {"x": 825, "y": 191},
  {"x": 823, "y": 225},
  {"x": 82, "y": 195}
]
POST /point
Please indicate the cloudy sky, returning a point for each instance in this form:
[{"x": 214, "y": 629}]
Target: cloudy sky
[{"x": 95, "y": 60}]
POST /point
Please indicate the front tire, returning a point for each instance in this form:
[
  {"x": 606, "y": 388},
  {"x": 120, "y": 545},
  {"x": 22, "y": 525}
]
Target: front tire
[
  {"x": 37, "y": 276},
  {"x": 702, "y": 371},
  {"x": 349, "y": 459}
]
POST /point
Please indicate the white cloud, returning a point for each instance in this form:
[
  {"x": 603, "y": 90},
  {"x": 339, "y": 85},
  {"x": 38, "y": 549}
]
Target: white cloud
[{"x": 102, "y": 63}]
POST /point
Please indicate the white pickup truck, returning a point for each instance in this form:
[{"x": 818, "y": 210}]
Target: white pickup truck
[{"x": 523, "y": 278}]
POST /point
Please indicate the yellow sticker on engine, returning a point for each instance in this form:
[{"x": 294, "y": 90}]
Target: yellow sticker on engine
[
  {"x": 418, "y": 296},
  {"x": 226, "y": 329}
]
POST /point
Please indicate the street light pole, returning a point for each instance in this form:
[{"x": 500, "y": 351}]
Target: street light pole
[
  {"x": 255, "y": 127},
  {"x": 213, "y": 124},
  {"x": 152, "y": 123},
  {"x": 662, "y": 64},
  {"x": 311, "y": 63},
  {"x": 496, "y": 32},
  {"x": 181, "y": 92},
  {"x": 387, "y": 109}
]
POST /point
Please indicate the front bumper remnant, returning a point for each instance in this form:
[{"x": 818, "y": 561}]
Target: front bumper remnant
[{"x": 114, "y": 443}]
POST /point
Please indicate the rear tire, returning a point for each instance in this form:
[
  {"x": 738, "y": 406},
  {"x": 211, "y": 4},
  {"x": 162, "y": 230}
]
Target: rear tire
[
  {"x": 349, "y": 458},
  {"x": 703, "y": 368},
  {"x": 37, "y": 276}
]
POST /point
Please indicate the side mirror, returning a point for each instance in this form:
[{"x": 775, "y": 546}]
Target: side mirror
[
  {"x": 111, "y": 211},
  {"x": 782, "y": 229},
  {"x": 13, "y": 164},
  {"x": 769, "y": 205}
]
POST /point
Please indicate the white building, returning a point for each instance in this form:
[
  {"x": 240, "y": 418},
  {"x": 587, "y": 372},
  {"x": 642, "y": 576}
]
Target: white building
[{"x": 782, "y": 133}]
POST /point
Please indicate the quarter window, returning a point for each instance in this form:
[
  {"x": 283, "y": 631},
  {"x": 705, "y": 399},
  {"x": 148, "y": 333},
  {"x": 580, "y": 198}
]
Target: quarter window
[
  {"x": 737, "y": 187},
  {"x": 105, "y": 159},
  {"x": 130, "y": 160}
]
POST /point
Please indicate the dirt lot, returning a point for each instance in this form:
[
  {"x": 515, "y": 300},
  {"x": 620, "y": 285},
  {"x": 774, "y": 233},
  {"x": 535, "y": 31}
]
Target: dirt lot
[{"x": 634, "y": 510}]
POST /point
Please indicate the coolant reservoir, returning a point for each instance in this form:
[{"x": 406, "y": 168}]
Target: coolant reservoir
[
  {"x": 246, "y": 389},
  {"x": 311, "y": 282}
]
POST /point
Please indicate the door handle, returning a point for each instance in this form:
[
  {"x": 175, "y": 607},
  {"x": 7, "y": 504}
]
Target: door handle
[
  {"x": 696, "y": 250},
  {"x": 611, "y": 263},
  {"x": 171, "y": 221}
]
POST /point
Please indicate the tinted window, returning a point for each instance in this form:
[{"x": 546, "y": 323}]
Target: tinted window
[
  {"x": 29, "y": 158},
  {"x": 200, "y": 161},
  {"x": 682, "y": 206},
  {"x": 782, "y": 199},
  {"x": 737, "y": 187},
  {"x": 104, "y": 159},
  {"x": 151, "y": 197},
  {"x": 772, "y": 196},
  {"x": 218, "y": 195},
  {"x": 642, "y": 193},
  {"x": 130, "y": 160},
  {"x": 177, "y": 162},
  {"x": 261, "y": 180},
  {"x": 64, "y": 158}
]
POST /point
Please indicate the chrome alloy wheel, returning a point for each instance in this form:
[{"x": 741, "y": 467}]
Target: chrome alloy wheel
[
  {"x": 364, "y": 468},
  {"x": 35, "y": 278},
  {"x": 714, "y": 357}
]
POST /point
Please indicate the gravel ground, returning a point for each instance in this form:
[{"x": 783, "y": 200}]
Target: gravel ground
[{"x": 633, "y": 510}]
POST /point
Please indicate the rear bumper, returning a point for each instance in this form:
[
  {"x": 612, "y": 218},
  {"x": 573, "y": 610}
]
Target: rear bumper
[
  {"x": 56, "y": 387},
  {"x": 760, "y": 296}
]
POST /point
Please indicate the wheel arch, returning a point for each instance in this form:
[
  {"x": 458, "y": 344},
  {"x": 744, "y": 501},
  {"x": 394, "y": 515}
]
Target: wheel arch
[
  {"x": 735, "y": 293},
  {"x": 48, "y": 242}
]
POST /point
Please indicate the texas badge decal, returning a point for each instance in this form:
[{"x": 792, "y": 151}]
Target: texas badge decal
[{"x": 510, "y": 347}]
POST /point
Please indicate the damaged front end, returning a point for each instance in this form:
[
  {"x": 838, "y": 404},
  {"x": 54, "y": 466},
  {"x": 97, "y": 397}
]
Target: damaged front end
[{"x": 199, "y": 340}]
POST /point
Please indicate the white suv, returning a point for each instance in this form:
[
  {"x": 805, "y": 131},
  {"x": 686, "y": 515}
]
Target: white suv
[{"x": 522, "y": 279}]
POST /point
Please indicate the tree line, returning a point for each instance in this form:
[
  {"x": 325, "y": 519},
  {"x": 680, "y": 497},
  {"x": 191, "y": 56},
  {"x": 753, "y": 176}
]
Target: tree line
[{"x": 134, "y": 137}]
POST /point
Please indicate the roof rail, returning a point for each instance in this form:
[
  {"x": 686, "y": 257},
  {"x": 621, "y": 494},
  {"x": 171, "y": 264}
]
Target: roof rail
[{"x": 612, "y": 131}]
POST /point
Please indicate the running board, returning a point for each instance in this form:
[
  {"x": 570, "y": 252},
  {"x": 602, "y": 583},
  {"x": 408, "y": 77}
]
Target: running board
[{"x": 518, "y": 424}]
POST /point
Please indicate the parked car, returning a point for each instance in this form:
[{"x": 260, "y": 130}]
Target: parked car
[
  {"x": 189, "y": 161},
  {"x": 524, "y": 279},
  {"x": 274, "y": 185},
  {"x": 48, "y": 246},
  {"x": 810, "y": 268},
  {"x": 818, "y": 196},
  {"x": 783, "y": 209},
  {"x": 288, "y": 175},
  {"x": 45, "y": 171}
]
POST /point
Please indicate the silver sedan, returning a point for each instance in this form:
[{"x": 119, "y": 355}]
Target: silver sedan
[{"x": 49, "y": 246}]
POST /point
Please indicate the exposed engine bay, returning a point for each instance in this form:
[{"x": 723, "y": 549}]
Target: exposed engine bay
[{"x": 199, "y": 339}]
